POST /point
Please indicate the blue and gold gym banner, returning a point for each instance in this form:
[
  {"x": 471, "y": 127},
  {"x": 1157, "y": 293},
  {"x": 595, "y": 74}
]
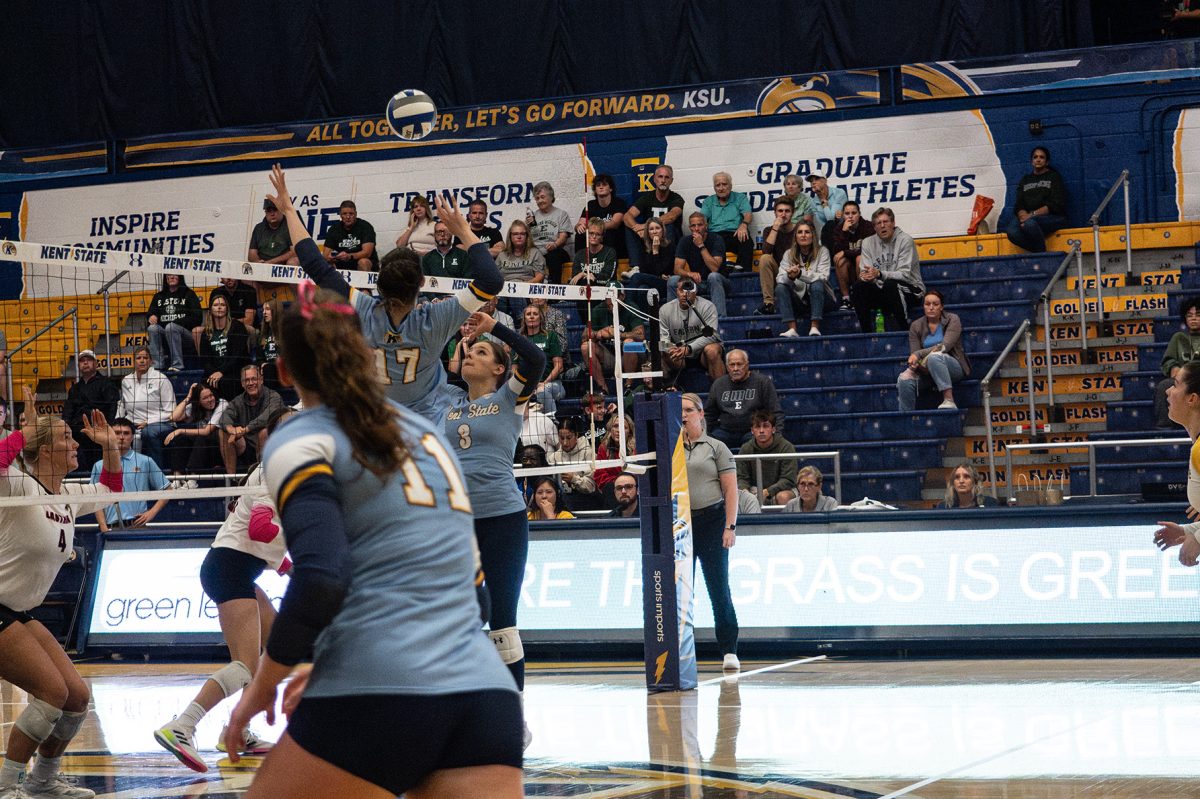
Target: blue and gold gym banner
[
  {"x": 90, "y": 158},
  {"x": 1066, "y": 69},
  {"x": 823, "y": 91}
]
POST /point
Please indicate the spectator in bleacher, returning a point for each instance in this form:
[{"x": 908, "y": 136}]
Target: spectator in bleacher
[
  {"x": 550, "y": 228},
  {"x": 532, "y": 456},
  {"x": 748, "y": 504},
  {"x": 243, "y": 429},
  {"x": 607, "y": 326},
  {"x": 579, "y": 487},
  {"x": 596, "y": 412},
  {"x": 657, "y": 258},
  {"x": 778, "y": 484},
  {"x": 963, "y": 489},
  {"x": 713, "y": 493},
  {"x": 1183, "y": 347},
  {"x": 845, "y": 241},
  {"x": 937, "y": 356},
  {"x": 550, "y": 388},
  {"x": 173, "y": 313},
  {"x": 889, "y": 275},
  {"x": 809, "y": 498},
  {"x": 609, "y": 449},
  {"x": 1040, "y": 205},
  {"x": 350, "y": 242},
  {"x": 735, "y": 396},
  {"x": 454, "y": 347},
  {"x": 597, "y": 262},
  {"x": 444, "y": 259},
  {"x": 688, "y": 335},
  {"x": 91, "y": 391},
  {"x": 477, "y": 214},
  {"x": 147, "y": 399},
  {"x": 777, "y": 239},
  {"x": 625, "y": 494},
  {"x": 660, "y": 202},
  {"x": 539, "y": 428},
  {"x": 802, "y": 202},
  {"x": 266, "y": 350},
  {"x": 224, "y": 348},
  {"x": 519, "y": 262},
  {"x": 700, "y": 258},
  {"x": 554, "y": 320},
  {"x": 803, "y": 280},
  {"x": 728, "y": 215},
  {"x": 546, "y": 503},
  {"x": 828, "y": 204},
  {"x": 608, "y": 208},
  {"x": 138, "y": 473},
  {"x": 419, "y": 235},
  {"x": 194, "y": 446},
  {"x": 241, "y": 302},
  {"x": 270, "y": 242}
]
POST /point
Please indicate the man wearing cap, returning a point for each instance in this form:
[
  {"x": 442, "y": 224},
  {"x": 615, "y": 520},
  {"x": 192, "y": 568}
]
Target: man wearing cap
[
  {"x": 91, "y": 391},
  {"x": 826, "y": 203},
  {"x": 688, "y": 334},
  {"x": 597, "y": 345},
  {"x": 270, "y": 242}
]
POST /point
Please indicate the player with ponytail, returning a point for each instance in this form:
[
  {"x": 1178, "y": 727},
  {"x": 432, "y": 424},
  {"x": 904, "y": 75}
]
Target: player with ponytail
[{"x": 382, "y": 596}]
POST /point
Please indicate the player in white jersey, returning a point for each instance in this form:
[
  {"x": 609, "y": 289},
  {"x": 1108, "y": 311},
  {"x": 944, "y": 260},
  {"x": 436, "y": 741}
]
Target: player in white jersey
[
  {"x": 248, "y": 543},
  {"x": 35, "y": 541},
  {"x": 408, "y": 338},
  {"x": 1183, "y": 407},
  {"x": 406, "y": 693}
]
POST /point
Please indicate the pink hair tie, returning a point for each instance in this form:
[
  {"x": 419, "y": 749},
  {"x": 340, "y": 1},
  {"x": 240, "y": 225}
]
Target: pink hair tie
[{"x": 305, "y": 294}]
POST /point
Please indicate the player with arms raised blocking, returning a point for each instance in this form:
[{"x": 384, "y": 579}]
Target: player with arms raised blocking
[
  {"x": 406, "y": 694},
  {"x": 408, "y": 338},
  {"x": 484, "y": 425},
  {"x": 248, "y": 543},
  {"x": 35, "y": 541}
]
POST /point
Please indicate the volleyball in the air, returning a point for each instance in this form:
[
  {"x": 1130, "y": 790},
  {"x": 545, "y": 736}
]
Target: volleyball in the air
[{"x": 411, "y": 113}]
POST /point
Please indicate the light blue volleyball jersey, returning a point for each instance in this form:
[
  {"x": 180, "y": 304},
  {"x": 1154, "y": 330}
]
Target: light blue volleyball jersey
[
  {"x": 410, "y": 620},
  {"x": 484, "y": 434},
  {"x": 410, "y": 354}
]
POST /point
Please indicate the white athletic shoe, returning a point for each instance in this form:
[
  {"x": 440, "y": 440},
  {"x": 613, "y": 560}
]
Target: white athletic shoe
[
  {"x": 812, "y": 331},
  {"x": 527, "y": 738},
  {"x": 947, "y": 405},
  {"x": 731, "y": 663},
  {"x": 61, "y": 787},
  {"x": 178, "y": 742},
  {"x": 789, "y": 333},
  {"x": 13, "y": 792},
  {"x": 251, "y": 743}
]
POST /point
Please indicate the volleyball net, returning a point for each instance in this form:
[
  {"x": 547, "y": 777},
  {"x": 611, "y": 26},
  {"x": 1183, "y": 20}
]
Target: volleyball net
[{"x": 79, "y": 301}]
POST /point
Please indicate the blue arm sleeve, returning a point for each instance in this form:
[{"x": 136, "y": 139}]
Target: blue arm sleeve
[
  {"x": 317, "y": 543},
  {"x": 531, "y": 358},
  {"x": 487, "y": 279},
  {"x": 324, "y": 275}
]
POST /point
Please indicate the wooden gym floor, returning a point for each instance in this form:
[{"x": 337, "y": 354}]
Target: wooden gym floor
[{"x": 1118, "y": 729}]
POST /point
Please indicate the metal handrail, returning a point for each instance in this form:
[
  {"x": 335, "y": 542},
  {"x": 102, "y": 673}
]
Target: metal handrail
[
  {"x": 759, "y": 457},
  {"x": 103, "y": 292},
  {"x": 1094, "y": 221},
  {"x": 985, "y": 387},
  {"x": 1045, "y": 301},
  {"x": 8, "y": 357},
  {"x": 1091, "y": 448}
]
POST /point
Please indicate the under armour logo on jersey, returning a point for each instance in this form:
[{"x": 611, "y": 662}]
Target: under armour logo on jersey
[{"x": 135, "y": 259}]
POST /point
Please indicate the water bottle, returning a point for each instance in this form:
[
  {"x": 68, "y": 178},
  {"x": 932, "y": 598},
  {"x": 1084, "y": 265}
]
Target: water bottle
[{"x": 879, "y": 326}]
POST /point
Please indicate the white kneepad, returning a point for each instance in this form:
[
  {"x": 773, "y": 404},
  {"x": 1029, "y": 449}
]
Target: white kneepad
[
  {"x": 37, "y": 720},
  {"x": 68, "y": 724},
  {"x": 232, "y": 677},
  {"x": 508, "y": 644}
]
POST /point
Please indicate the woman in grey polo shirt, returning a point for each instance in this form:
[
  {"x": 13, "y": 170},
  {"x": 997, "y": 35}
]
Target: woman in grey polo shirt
[{"x": 712, "y": 491}]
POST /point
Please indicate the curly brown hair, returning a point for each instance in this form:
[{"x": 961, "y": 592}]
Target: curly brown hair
[{"x": 328, "y": 355}]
